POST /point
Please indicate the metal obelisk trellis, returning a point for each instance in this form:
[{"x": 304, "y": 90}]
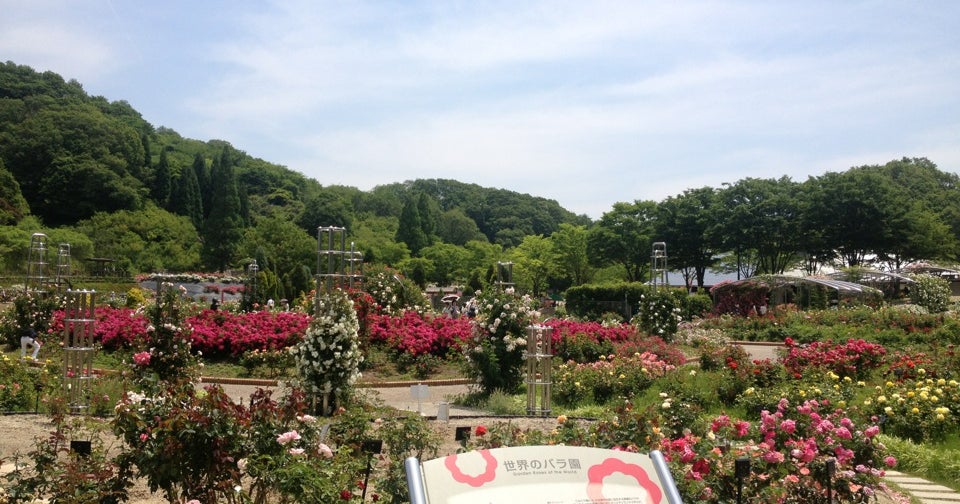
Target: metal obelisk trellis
[
  {"x": 504, "y": 276},
  {"x": 36, "y": 276},
  {"x": 253, "y": 269},
  {"x": 539, "y": 357},
  {"x": 337, "y": 267},
  {"x": 63, "y": 264},
  {"x": 79, "y": 324},
  {"x": 658, "y": 265}
]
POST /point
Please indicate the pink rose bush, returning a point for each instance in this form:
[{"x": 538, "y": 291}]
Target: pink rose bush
[
  {"x": 217, "y": 332},
  {"x": 788, "y": 450},
  {"x": 853, "y": 358},
  {"x": 417, "y": 334},
  {"x": 588, "y": 341},
  {"x": 213, "y": 332}
]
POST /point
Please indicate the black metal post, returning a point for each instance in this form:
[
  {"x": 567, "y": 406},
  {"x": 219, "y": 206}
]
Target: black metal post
[
  {"x": 462, "y": 435},
  {"x": 741, "y": 470},
  {"x": 37, "y": 387},
  {"x": 831, "y": 470},
  {"x": 370, "y": 447}
]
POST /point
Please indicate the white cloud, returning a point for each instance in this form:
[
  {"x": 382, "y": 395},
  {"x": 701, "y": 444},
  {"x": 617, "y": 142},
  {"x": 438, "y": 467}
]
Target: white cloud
[
  {"x": 71, "y": 52},
  {"x": 587, "y": 103}
]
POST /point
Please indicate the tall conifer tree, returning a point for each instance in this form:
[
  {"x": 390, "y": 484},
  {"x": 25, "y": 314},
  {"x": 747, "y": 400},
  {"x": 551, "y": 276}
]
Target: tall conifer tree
[
  {"x": 162, "y": 180},
  {"x": 223, "y": 228},
  {"x": 410, "y": 230},
  {"x": 203, "y": 181},
  {"x": 185, "y": 197}
]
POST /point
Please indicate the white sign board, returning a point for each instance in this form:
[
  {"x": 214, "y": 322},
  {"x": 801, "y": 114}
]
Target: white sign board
[
  {"x": 419, "y": 391},
  {"x": 543, "y": 475}
]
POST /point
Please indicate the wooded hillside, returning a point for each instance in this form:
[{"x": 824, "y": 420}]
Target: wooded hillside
[{"x": 94, "y": 174}]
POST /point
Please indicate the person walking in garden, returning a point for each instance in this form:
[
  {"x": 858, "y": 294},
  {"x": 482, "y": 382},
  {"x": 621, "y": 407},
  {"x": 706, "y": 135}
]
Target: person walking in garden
[{"x": 29, "y": 340}]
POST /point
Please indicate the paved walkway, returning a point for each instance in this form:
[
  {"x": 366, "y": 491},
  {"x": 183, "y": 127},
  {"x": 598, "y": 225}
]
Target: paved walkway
[
  {"x": 923, "y": 490},
  {"x": 430, "y": 399}
]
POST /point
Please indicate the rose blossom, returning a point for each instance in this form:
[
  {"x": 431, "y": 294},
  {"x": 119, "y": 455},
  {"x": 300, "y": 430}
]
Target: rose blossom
[
  {"x": 141, "y": 359},
  {"x": 286, "y": 437},
  {"x": 325, "y": 450}
]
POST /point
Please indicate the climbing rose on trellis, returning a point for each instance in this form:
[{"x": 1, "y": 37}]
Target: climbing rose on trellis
[{"x": 328, "y": 358}]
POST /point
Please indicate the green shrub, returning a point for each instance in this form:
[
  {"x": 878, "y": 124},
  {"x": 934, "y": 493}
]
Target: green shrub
[
  {"x": 581, "y": 347},
  {"x": 403, "y": 436},
  {"x": 500, "y": 403},
  {"x": 135, "y": 298},
  {"x": 695, "y": 305},
  {"x": 610, "y": 378},
  {"x": 948, "y": 332},
  {"x": 592, "y": 301}
]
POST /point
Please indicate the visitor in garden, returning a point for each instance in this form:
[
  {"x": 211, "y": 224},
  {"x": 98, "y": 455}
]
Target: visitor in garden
[
  {"x": 452, "y": 310},
  {"x": 29, "y": 339},
  {"x": 214, "y": 305}
]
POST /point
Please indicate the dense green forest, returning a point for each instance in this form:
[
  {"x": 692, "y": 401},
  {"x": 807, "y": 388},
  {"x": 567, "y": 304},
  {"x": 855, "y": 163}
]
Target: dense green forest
[{"x": 94, "y": 174}]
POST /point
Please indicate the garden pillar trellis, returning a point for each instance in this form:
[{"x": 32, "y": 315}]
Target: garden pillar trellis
[
  {"x": 63, "y": 264},
  {"x": 254, "y": 270},
  {"x": 79, "y": 324},
  {"x": 337, "y": 267},
  {"x": 504, "y": 276},
  {"x": 36, "y": 277},
  {"x": 539, "y": 356},
  {"x": 658, "y": 265}
]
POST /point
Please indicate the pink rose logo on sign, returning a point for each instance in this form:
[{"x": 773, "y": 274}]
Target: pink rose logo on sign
[
  {"x": 597, "y": 473},
  {"x": 488, "y": 474}
]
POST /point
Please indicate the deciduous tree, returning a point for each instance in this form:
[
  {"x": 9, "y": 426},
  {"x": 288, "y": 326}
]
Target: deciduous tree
[
  {"x": 570, "y": 253},
  {"x": 684, "y": 223},
  {"x": 624, "y": 236}
]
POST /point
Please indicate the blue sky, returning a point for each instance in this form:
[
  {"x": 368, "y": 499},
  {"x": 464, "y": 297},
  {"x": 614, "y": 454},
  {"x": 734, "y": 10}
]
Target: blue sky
[{"x": 588, "y": 103}]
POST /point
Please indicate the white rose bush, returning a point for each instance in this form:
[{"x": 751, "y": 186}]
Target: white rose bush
[
  {"x": 659, "y": 314},
  {"x": 494, "y": 354},
  {"x": 328, "y": 358}
]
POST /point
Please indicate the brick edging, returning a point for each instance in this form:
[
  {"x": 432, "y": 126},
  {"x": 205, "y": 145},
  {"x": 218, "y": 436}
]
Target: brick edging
[{"x": 259, "y": 382}]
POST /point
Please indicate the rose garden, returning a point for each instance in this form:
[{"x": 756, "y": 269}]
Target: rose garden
[{"x": 858, "y": 387}]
